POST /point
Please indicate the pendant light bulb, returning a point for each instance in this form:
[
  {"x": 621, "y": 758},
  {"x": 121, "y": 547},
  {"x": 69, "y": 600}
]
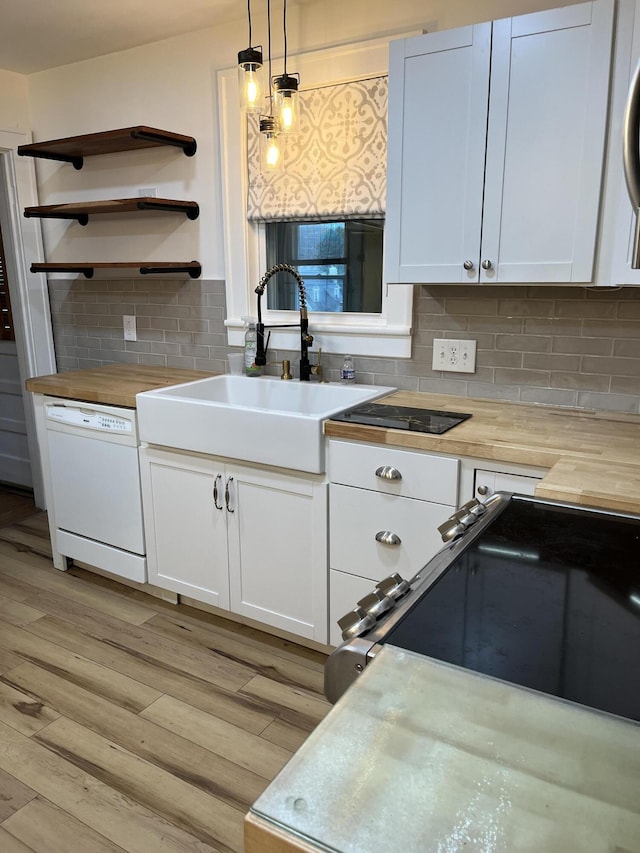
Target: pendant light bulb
[
  {"x": 250, "y": 79},
  {"x": 270, "y": 152},
  {"x": 286, "y": 106}
]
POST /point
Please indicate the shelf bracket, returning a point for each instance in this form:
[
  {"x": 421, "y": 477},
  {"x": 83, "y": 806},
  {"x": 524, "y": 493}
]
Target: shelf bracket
[
  {"x": 76, "y": 161},
  {"x": 87, "y": 271},
  {"x": 188, "y": 145},
  {"x": 194, "y": 271},
  {"x": 82, "y": 218},
  {"x": 191, "y": 211}
]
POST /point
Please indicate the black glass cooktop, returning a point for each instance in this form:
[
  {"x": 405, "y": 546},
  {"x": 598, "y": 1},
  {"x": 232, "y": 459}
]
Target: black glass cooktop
[
  {"x": 402, "y": 417},
  {"x": 547, "y": 597}
]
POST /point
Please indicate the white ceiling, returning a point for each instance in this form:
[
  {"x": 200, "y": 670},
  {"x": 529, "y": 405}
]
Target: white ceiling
[{"x": 39, "y": 34}]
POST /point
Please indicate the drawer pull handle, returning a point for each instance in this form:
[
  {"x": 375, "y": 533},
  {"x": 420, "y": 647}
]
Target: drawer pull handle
[
  {"x": 386, "y": 537},
  {"x": 388, "y": 472}
]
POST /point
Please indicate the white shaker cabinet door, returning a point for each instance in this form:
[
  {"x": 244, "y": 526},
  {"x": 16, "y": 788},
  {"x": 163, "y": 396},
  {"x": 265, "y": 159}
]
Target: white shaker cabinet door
[
  {"x": 545, "y": 144},
  {"x": 185, "y": 525},
  {"x": 438, "y": 97},
  {"x": 278, "y": 550}
]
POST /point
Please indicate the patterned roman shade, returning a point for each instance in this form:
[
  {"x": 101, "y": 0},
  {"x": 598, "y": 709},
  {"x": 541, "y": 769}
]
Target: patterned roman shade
[{"x": 335, "y": 168}]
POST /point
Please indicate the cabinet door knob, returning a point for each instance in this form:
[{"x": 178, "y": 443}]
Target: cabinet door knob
[
  {"x": 487, "y": 265},
  {"x": 388, "y": 472},
  {"x": 227, "y": 494},
  {"x": 386, "y": 537},
  {"x": 483, "y": 490},
  {"x": 468, "y": 265},
  {"x": 215, "y": 492}
]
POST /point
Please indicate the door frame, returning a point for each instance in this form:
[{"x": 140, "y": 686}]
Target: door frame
[{"x": 29, "y": 294}]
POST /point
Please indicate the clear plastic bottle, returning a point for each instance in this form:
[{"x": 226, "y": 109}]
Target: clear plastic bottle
[
  {"x": 250, "y": 348},
  {"x": 348, "y": 371}
]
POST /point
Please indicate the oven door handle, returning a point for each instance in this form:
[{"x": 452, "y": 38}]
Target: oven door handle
[{"x": 386, "y": 537}]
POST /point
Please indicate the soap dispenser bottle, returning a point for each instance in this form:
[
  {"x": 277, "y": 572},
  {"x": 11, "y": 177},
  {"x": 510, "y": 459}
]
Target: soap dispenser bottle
[{"x": 251, "y": 348}]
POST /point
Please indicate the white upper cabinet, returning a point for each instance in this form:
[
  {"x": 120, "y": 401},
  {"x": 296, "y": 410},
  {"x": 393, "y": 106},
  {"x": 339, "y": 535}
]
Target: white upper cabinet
[{"x": 495, "y": 150}]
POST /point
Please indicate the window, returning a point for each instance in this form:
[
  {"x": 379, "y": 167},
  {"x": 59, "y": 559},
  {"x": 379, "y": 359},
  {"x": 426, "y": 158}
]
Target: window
[
  {"x": 380, "y": 329},
  {"x": 340, "y": 262}
]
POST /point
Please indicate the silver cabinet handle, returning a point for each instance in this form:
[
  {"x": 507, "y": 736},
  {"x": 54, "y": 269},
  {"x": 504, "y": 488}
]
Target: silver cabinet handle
[
  {"x": 483, "y": 490},
  {"x": 386, "y": 537},
  {"x": 631, "y": 158},
  {"x": 388, "y": 472},
  {"x": 468, "y": 265},
  {"x": 487, "y": 265},
  {"x": 227, "y": 494},
  {"x": 215, "y": 492}
]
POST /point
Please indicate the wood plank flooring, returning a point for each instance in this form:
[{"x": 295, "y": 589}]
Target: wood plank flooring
[{"x": 131, "y": 724}]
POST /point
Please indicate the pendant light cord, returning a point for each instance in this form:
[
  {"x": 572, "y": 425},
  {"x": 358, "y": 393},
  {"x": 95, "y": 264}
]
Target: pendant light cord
[
  {"x": 284, "y": 29},
  {"x": 269, "y": 35},
  {"x": 249, "y": 16}
]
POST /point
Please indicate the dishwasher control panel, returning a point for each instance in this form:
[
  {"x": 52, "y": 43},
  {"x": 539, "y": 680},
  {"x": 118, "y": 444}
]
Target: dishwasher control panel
[{"x": 89, "y": 419}]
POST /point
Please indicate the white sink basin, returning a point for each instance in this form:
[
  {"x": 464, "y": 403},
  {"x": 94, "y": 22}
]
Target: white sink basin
[{"x": 256, "y": 419}]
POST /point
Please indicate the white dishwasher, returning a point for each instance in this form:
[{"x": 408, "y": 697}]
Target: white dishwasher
[{"x": 95, "y": 483}]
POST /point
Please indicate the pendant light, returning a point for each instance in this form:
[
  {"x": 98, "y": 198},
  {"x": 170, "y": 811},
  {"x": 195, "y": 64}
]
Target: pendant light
[
  {"x": 250, "y": 74},
  {"x": 285, "y": 89},
  {"x": 270, "y": 153}
]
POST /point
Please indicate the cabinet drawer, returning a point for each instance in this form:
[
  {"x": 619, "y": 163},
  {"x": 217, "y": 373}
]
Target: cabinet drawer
[
  {"x": 358, "y": 515},
  {"x": 422, "y": 476}
]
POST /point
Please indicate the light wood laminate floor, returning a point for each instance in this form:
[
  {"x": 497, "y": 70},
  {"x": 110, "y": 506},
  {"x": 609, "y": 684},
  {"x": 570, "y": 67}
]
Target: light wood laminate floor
[{"x": 130, "y": 724}]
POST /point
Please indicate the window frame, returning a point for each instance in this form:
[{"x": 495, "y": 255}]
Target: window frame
[{"x": 385, "y": 334}]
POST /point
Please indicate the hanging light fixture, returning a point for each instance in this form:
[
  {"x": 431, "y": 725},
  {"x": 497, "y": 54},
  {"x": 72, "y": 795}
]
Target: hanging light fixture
[
  {"x": 250, "y": 74},
  {"x": 270, "y": 153},
  {"x": 285, "y": 89}
]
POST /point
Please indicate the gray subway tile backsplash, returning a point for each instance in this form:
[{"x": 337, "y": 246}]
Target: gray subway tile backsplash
[{"x": 553, "y": 345}]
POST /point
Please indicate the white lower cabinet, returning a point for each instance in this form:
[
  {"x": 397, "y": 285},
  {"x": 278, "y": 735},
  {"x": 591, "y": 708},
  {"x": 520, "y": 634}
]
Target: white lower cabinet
[
  {"x": 385, "y": 508},
  {"x": 247, "y": 539}
]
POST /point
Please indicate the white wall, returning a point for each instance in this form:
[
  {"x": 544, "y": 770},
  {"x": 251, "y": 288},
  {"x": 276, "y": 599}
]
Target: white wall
[
  {"x": 14, "y": 101},
  {"x": 172, "y": 85}
]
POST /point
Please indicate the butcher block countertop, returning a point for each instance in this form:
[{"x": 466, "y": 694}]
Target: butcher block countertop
[
  {"x": 593, "y": 457},
  {"x": 481, "y": 766},
  {"x": 112, "y": 385}
]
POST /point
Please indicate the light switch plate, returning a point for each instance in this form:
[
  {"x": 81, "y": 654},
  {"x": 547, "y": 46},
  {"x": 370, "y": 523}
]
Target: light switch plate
[
  {"x": 454, "y": 356},
  {"x": 129, "y": 325}
]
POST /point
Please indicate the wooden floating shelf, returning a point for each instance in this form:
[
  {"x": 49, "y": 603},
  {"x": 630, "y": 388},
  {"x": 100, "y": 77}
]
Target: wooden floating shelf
[
  {"x": 73, "y": 149},
  {"x": 193, "y": 268},
  {"x": 82, "y": 210}
]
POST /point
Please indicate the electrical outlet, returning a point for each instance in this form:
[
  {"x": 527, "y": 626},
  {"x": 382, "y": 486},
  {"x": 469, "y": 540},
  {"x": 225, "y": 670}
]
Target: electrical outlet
[
  {"x": 454, "y": 356},
  {"x": 148, "y": 192},
  {"x": 129, "y": 325}
]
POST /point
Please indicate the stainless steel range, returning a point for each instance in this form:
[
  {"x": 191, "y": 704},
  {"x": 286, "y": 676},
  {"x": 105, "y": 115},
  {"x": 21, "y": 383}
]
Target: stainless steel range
[{"x": 532, "y": 592}]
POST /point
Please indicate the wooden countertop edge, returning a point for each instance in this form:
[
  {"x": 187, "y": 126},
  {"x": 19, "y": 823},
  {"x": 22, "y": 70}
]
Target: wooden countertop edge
[
  {"x": 519, "y": 454},
  {"x": 260, "y": 836},
  {"x": 584, "y": 498},
  {"x": 111, "y": 385},
  {"x": 600, "y": 484}
]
